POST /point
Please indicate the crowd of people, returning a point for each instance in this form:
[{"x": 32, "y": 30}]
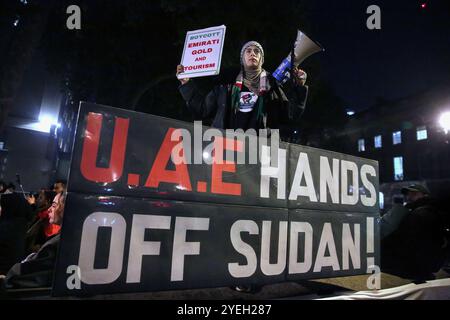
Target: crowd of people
[{"x": 30, "y": 225}]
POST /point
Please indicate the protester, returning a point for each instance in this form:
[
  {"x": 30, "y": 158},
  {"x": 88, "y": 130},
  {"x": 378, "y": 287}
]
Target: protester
[
  {"x": 40, "y": 229},
  {"x": 60, "y": 186},
  {"x": 413, "y": 243},
  {"x": 38, "y": 268},
  {"x": 390, "y": 221},
  {"x": 254, "y": 101},
  {"x": 15, "y": 213}
]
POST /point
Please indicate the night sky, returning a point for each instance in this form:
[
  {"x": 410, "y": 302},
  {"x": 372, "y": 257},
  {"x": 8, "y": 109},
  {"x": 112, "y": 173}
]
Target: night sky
[{"x": 409, "y": 54}]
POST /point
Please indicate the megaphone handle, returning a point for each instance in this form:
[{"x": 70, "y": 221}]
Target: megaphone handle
[{"x": 292, "y": 62}]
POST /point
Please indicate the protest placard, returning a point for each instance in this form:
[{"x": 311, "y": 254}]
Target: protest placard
[{"x": 202, "y": 52}]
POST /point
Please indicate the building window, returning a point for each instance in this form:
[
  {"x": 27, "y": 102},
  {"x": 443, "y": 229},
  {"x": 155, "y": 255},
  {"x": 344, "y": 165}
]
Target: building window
[
  {"x": 2, "y": 145},
  {"x": 377, "y": 141},
  {"x": 396, "y": 137},
  {"x": 422, "y": 133},
  {"x": 398, "y": 168},
  {"x": 361, "y": 145}
]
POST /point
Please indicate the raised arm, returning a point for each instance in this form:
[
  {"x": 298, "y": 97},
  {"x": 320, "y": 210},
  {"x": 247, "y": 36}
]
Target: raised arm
[
  {"x": 296, "y": 92},
  {"x": 202, "y": 106}
]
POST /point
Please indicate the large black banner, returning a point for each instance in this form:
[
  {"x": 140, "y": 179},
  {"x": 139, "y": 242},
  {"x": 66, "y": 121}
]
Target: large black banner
[{"x": 139, "y": 219}]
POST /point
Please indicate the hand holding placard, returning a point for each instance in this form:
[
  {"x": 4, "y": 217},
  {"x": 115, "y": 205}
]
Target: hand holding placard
[
  {"x": 180, "y": 69},
  {"x": 202, "y": 53}
]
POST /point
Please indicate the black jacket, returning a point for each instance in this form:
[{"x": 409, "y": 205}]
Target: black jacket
[
  {"x": 37, "y": 270},
  {"x": 14, "y": 218},
  {"x": 416, "y": 249},
  {"x": 283, "y": 103}
]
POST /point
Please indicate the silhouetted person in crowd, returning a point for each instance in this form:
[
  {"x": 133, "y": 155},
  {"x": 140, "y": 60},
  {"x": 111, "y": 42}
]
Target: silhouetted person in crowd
[
  {"x": 15, "y": 213},
  {"x": 60, "y": 186},
  {"x": 413, "y": 241}
]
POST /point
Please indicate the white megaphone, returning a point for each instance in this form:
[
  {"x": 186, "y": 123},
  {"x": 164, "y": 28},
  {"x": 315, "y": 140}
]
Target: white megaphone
[{"x": 303, "y": 48}]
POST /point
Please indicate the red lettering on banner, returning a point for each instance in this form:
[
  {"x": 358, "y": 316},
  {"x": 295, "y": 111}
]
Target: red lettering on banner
[
  {"x": 133, "y": 179},
  {"x": 158, "y": 173},
  {"x": 91, "y": 142},
  {"x": 201, "y": 186},
  {"x": 217, "y": 184}
]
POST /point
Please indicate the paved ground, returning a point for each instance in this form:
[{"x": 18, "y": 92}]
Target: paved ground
[{"x": 308, "y": 289}]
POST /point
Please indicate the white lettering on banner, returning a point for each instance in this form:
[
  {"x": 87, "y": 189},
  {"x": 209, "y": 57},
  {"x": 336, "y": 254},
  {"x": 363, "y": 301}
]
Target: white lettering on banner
[
  {"x": 347, "y": 198},
  {"x": 91, "y": 224},
  {"x": 181, "y": 247},
  {"x": 278, "y": 173},
  {"x": 303, "y": 256},
  {"x": 246, "y": 270},
  {"x": 372, "y": 200},
  {"x": 139, "y": 247},
  {"x": 342, "y": 174},
  {"x": 297, "y": 189},
  {"x": 351, "y": 246},
  {"x": 329, "y": 179},
  {"x": 276, "y": 268},
  {"x": 326, "y": 241},
  {"x": 295, "y": 266},
  {"x": 350, "y": 250},
  {"x": 343, "y": 180},
  {"x": 370, "y": 245}
]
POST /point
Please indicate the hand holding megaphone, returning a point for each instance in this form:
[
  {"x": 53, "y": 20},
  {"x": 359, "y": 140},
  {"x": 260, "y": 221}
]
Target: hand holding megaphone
[
  {"x": 303, "y": 48},
  {"x": 299, "y": 76}
]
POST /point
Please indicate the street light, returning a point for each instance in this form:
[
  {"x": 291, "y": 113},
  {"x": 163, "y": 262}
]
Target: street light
[
  {"x": 444, "y": 121},
  {"x": 46, "y": 121}
]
